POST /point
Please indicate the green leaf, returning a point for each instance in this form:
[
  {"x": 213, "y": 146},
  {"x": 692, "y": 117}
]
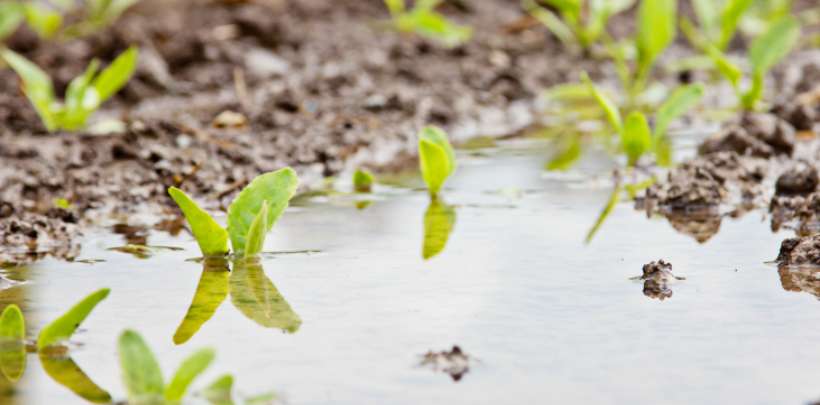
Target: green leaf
[
  {"x": 211, "y": 237},
  {"x": 437, "y": 160},
  {"x": 36, "y": 85},
  {"x": 678, "y": 103},
  {"x": 708, "y": 14},
  {"x": 142, "y": 375},
  {"x": 439, "y": 220},
  {"x": 190, "y": 368},
  {"x": 636, "y": 138},
  {"x": 67, "y": 373},
  {"x": 728, "y": 69},
  {"x": 276, "y": 188},
  {"x": 610, "y": 109},
  {"x": 42, "y": 20},
  {"x": 396, "y": 7},
  {"x": 768, "y": 49},
  {"x": 256, "y": 235},
  {"x": 80, "y": 100},
  {"x": 656, "y": 30},
  {"x": 729, "y": 19},
  {"x": 568, "y": 155},
  {"x": 219, "y": 392},
  {"x": 63, "y": 327},
  {"x": 11, "y": 15},
  {"x": 608, "y": 208},
  {"x": 210, "y": 293},
  {"x": 554, "y": 24},
  {"x": 12, "y": 343},
  {"x": 116, "y": 75},
  {"x": 253, "y": 294},
  {"x": 362, "y": 181}
]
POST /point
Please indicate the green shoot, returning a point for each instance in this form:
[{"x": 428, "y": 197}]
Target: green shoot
[
  {"x": 656, "y": 31},
  {"x": 437, "y": 159},
  {"x": 47, "y": 19},
  {"x": 220, "y": 391},
  {"x": 423, "y": 20},
  {"x": 84, "y": 95},
  {"x": 11, "y": 15},
  {"x": 579, "y": 21},
  {"x": 63, "y": 327},
  {"x": 142, "y": 375},
  {"x": 190, "y": 368},
  {"x": 718, "y": 25},
  {"x": 250, "y": 216},
  {"x": 363, "y": 181}
]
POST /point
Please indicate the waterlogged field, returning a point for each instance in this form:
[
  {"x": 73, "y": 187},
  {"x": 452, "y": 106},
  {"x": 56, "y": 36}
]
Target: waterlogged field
[{"x": 343, "y": 307}]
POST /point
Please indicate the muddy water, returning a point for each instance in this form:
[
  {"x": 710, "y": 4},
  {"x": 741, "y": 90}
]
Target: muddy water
[{"x": 544, "y": 317}]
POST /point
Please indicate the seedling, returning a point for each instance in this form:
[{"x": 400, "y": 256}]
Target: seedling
[
  {"x": 578, "y": 21},
  {"x": 437, "y": 159},
  {"x": 718, "y": 22},
  {"x": 636, "y": 136},
  {"x": 251, "y": 215},
  {"x": 766, "y": 51},
  {"x": 48, "y": 346},
  {"x": 423, "y": 20},
  {"x": 47, "y": 20},
  {"x": 84, "y": 95},
  {"x": 363, "y": 181}
]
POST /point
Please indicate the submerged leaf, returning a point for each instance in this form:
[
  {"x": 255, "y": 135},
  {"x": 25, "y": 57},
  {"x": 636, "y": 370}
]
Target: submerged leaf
[
  {"x": 12, "y": 343},
  {"x": 439, "y": 220},
  {"x": 253, "y": 294},
  {"x": 65, "y": 372},
  {"x": 210, "y": 293},
  {"x": 141, "y": 373},
  {"x": 437, "y": 160},
  {"x": 63, "y": 327},
  {"x": 211, "y": 237},
  {"x": 190, "y": 368},
  {"x": 256, "y": 235},
  {"x": 276, "y": 188},
  {"x": 637, "y": 137}
]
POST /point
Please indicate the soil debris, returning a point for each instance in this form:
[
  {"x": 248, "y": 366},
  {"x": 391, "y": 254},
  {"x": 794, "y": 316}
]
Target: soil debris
[
  {"x": 800, "y": 251},
  {"x": 756, "y": 134},
  {"x": 454, "y": 362},
  {"x": 656, "y": 278}
]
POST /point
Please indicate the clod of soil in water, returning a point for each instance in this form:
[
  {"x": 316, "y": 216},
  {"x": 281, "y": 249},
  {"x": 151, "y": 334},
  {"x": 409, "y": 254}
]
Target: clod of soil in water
[
  {"x": 454, "y": 362},
  {"x": 761, "y": 135},
  {"x": 656, "y": 277},
  {"x": 800, "y": 251}
]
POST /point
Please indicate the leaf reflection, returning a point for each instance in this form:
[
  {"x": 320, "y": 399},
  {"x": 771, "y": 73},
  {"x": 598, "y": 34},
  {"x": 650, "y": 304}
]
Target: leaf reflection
[
  {"x": 439, "y": 220},
  {"x": 253, "y": 294},
  {"x": 64, "y": 371},
  {"x": 210, "y": 293}
]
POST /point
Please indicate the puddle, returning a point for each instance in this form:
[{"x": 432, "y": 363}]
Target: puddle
[{"x": 346, "y": 305}]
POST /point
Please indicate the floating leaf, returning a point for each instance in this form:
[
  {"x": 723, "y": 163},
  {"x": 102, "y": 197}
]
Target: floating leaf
[
  {"x": 211, "y": 237},
  {"x": 277, "y": 188},
  {"x": 142, "y": 375},
  {"x": 253, "y": 294},
  {"x": 63, "y": 327},
  {"x": 256, "y": 235},
  {"x": 439, "y": 220},
  {"x": 12, "y": 343},
  {"x": 65, "y": 372},
  {"x": 437, "y": 159},
  {"x": 210, "y": 293},
  {"x": 190, "y": 368},
  {"x": 637, "y": 137}
]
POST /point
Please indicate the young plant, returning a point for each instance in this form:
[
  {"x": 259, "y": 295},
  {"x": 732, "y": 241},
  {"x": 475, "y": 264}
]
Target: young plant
[
  {"x": 84, "y": 95},
  {"x": 363, "y": 181},
  {"x": 718, "y": 22},
  {"x": 766, "y": 51},
  {"x": 636, "y": 136},
  {"x": 423, "y": 20},
  {"x": 437, "y": 159},
  {"x": 582, "y": 22},
  {"x": 251, "y": 215},
  {"x": 47, "y": 20}
]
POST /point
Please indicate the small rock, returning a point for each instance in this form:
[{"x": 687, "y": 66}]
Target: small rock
[
  {"x": 800, "y": 251},
  {"x": 656, "y": 276},
  {"x": 799, "y": 180},
  {"x": 230, "y": 119}
]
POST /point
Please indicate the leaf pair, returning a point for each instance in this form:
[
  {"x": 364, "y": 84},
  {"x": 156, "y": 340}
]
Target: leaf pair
[
  {"x": 574, "y": 24},
  {"x": 250, "y": 216},
  {"x": 142, "y": 374},
  {"x": 84, "y": 95},
  {"x": 437, "y": 159},
  {"x": 718, "y": 25},
  {"x": 637, "y": 138},
  {"x": 423, "y": 20}
]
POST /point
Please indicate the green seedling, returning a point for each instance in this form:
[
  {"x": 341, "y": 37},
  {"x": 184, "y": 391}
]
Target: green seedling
[
  {"x": 718, "y": 20},
  {"x": 363, "y": 181},
  {"x": 55, "y": 362},
  {"x": 84, "y": 95},
  {"x": 46, "y": 19},
  {"x": 251, "y": 215},
  {"x": 423, "y": 20},
  {"x": 637, "y": 138},
  {"x": 578, "y": 21},
  {"x": 437, "y": 159},
  {"x": 766, "y": 51}
]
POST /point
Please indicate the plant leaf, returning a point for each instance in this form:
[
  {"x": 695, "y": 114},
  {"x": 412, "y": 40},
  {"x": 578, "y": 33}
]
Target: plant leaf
[
  {"x": 362, "y": 181},
  {"x": 211, "y": 237},
  {"x": 610, "y": 109},
  {"x": 67, "y": 373},
  {"x": 12, "y": 343},
  {"x": 219, "y": 392},
  {"x": 729, "y": 19},
  {"x": 63, "y": 327},
  {"x": 656, "y": 30},
  {"x": 36, "y": 85},
  {"x": 677, "y": 104},
  {"x": 637, "y": 137},
  {"x": 210, "y": 293},
  {"x": 11, "y": 15},
  {"x": 550, "y": 21},
  {"x": 116, "y": 75},
  {"x": 253, "y": 294},
  {"x": 437, "y": 160},
  {"x": 608, "y": 208},
  {"x": 80, "y": 100},
  {"x": 43, "y": 20},
  {"x": 568, "y": 155},
  {"x": 256, "y": 235},
  {"x": 439, "y": 220},
  {"x": 142, "y": 375},
  {"x": 277, "y": 188},
  {"x": 190, "y": 368},
  {"x": 768, "y": 49}
]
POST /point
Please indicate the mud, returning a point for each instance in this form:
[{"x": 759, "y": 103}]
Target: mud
[
  {"x": 454, "y": 362},
  {"x": 656, "y": 279}
]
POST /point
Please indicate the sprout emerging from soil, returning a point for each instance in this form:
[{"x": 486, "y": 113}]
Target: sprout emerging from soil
[
  {"x": 423, "y": 20},
  {"x": 437, "y": 159},
  {"x": 582, "y": 22}
]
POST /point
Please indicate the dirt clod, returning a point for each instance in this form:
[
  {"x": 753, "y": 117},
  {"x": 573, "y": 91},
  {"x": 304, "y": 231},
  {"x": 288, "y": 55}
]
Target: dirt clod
[{"x": 454, "y": 362}]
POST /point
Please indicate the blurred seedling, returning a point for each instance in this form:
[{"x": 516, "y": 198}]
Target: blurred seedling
[
  {"x": 425, "y": 21},
  {"x": 581, "y": 22},
  {"x": 363, "y": 181},
  {"x": 437, "y": 159},
  {"x": 47, "y": 18}
]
